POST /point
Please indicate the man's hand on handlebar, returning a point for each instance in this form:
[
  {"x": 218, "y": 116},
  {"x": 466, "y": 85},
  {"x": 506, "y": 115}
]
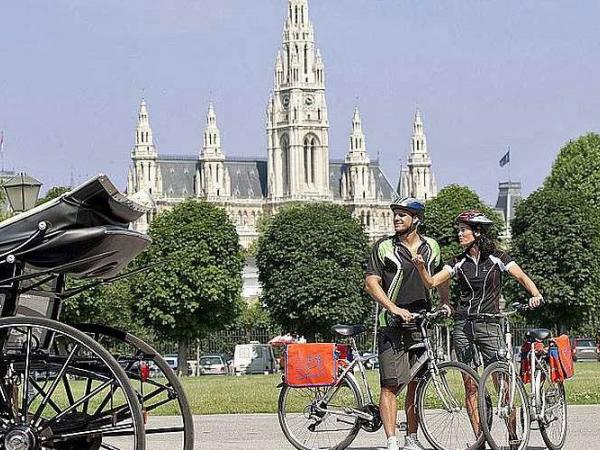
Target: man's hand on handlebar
[
  {"x": 535, "y": 301},
  {"x": 402, "y": 313}
]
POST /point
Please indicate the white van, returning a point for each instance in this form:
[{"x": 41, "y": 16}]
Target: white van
[{"x": 254, "y": 358}]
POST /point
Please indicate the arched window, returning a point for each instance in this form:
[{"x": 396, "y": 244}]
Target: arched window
[
  {"x": 307, "y": 162},
  {"x": 285, "y": 169},
  {"x": 313, "y": 157}
]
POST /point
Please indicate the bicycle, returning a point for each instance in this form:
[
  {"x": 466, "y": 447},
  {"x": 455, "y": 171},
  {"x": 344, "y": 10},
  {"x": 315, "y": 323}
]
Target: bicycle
[
  {"x": 512, "y": 409},
  {"x": 330, "y": 417}
]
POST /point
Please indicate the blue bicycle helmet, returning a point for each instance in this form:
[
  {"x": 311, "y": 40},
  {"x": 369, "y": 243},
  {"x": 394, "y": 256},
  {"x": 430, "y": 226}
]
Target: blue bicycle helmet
[{"x": 410, "y": 204}]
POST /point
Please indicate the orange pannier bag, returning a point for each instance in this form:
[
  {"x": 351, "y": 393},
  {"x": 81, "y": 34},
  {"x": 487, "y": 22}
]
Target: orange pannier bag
[
  {"x": 565, "y": 356},
  {"x": 309, "y": 365}
]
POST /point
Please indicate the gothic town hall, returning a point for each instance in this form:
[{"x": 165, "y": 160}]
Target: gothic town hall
[{"x": 297, "y": 166}]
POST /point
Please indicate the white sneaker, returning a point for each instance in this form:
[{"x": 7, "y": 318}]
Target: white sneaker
[
  {"x": 392, "y": 443},
  {"x": 412, "y": 443}
]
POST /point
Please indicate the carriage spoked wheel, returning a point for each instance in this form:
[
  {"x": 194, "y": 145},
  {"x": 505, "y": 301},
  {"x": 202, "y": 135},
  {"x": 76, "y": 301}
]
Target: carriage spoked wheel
[
  {"x": 60, "y": 389},
  {"x": 158, "y": 388}
]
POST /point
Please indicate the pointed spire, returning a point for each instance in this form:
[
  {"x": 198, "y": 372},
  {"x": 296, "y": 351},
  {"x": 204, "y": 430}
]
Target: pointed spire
[
  {"x": 212, "y": 136},
  {"x": 144, "y": 141},
  {"x": 357, "y": 152},
  {"x": 356, "y": 122},
  {"x": 419, "y": 140}
]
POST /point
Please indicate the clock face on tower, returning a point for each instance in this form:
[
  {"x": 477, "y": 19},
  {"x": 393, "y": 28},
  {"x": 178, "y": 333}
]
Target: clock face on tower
[
  {"x": 308, "y": 101},
  {"x": 285, "y": 101}
]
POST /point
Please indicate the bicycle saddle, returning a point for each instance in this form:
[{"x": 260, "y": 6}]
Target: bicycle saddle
[
  {"x": 538, "y": 334},
  {"x": 348, "y": 330}
]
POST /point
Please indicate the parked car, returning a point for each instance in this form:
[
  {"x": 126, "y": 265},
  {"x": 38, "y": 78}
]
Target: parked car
[
  {"x": 213, "y": 365},
  {"x": 171, "y": 360},
  {"x": 254, "y": 358},
  {"x": 584, "y": 349}
]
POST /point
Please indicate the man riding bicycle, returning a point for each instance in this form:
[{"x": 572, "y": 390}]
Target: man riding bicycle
[{"x": 393, "y": 282}]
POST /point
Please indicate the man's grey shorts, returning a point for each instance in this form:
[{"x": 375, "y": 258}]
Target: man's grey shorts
[
  {"x": 473, "y": 338},
  {"x": 395, "y": 360}
]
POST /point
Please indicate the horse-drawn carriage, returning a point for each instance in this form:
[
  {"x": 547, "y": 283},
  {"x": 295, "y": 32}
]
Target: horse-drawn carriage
[{"x": 82, "y": 387}]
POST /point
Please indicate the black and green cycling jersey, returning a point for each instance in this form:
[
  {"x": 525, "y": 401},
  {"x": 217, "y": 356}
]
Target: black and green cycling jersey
[{"x": 392, "y": 262}]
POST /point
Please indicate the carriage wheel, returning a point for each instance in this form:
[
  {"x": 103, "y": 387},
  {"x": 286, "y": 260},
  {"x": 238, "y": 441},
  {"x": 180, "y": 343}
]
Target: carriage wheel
[
  {"x": 159, "y": 389},
  {"x": 59, "y": 389}
]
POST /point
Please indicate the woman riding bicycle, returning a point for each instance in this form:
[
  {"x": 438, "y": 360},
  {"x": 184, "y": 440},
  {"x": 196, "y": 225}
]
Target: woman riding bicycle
[{"x": 479, "y": 270}]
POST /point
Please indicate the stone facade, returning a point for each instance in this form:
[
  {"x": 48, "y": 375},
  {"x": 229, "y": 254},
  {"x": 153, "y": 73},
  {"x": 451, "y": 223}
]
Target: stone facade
[{"x": 297, "y": 166}]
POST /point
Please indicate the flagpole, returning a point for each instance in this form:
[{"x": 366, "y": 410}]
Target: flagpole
[
  {"x": 508, "y": 205},
  {"x": 509, "y": 158}
]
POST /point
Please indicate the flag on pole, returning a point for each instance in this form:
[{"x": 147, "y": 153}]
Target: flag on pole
[{"x": 505, "y": 159}]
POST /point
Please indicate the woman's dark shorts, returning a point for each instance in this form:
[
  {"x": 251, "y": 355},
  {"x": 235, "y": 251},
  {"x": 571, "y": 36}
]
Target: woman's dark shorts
[
  {"x": 395, "y": 360},
  {"x": 473, "y": 338}
]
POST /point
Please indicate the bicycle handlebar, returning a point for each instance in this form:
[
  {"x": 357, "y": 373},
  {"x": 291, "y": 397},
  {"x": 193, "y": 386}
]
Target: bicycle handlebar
[{"x": 517, "y": 308}]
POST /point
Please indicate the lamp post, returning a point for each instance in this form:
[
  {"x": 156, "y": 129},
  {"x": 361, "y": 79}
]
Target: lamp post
[{"x": 22, "y": 192}]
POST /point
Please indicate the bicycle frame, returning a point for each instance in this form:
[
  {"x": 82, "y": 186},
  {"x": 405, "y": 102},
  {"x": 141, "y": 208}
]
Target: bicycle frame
[{"x": 426, "y": 359}]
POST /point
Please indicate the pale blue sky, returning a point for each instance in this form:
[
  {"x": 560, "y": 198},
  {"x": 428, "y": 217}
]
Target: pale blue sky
[{"x": 485, "y": 74}]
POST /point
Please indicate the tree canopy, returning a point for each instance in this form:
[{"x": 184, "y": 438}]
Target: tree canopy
[
  {"x": 558, "y": 245},
  {"x": 441, "y": 211},
  {"x": 577, "y": 169},
  {"x": 198, "y": 289},
  {"x": 52, "y": 193},
  {"x": 556, "y": 237},
  {"x": 310, "y": 261}
]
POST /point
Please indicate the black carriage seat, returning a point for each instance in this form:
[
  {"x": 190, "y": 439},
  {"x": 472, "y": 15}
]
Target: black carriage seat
[
  {"x": 538, "y": 334},
  {"x": 87, "y": 231},
  {"x": 348, "y": 330}
]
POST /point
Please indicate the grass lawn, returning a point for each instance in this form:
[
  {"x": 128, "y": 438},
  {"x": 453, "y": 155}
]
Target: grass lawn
[{"x": 258, "y": 393}]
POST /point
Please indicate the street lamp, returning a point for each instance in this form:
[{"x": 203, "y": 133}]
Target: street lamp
[{"x": 22, "y": 192}]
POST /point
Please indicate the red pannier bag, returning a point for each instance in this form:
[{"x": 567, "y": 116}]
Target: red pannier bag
[
  {"x": 526, "y": 362},
  {"x": 564, "y": 362},
  {"x": 309, "y": 365}
]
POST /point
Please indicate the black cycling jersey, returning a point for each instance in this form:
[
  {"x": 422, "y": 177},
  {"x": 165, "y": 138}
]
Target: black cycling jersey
[
  {"x": 480, "y": 282},
  {"x": 392, "y": 262}
]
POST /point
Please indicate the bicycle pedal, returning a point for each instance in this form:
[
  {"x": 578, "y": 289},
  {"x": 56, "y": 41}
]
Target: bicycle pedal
[{"x": 402, "y": 426}]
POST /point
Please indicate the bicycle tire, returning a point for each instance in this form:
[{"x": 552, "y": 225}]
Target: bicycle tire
[
  {"x": 308, "y": 420},
  {"x": 448, "y": 428},
  {"x": 495, "y": 378},
  {"x": 557, "y": 399}
]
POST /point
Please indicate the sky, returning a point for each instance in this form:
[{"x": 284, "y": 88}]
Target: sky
[{"x": 486, "y": 75}]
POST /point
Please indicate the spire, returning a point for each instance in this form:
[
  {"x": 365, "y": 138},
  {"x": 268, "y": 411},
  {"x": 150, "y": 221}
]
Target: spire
[
  {"x": 298, "y": 61},
  {"x": 357, "y": 152},
  {"x": 419, "y": 140},
  {"x": 212, "y": 136},
  {"x": 419, "y": 180},
  {"x": 144, "y": 141}
]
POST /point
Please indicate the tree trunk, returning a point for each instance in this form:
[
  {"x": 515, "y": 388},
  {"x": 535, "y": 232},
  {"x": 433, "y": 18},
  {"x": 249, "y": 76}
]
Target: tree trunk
[{"x": 182, "y": 355}]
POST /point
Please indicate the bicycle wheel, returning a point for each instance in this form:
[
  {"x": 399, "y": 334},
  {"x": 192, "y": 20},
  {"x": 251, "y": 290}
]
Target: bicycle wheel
[
  {"x": 60, "y": 389},
  {"x": 510, "y": 421},
  {"x": 553, "y": 426},
  {"x": 160, "y": 393},
  {"x": 310, "y": 427},
  {"x": 447, "y": 407}
]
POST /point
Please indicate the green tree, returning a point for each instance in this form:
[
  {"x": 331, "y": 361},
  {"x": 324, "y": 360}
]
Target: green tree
[
  {"x": 198, "y": 289},
  {"x": 110, "y": 304},
  {"x": 577, "y": 169},
  {"x": 310, "y": 265},
  {"x": 52, "y": 193},
  {"x": 441, "y": 211},
  {"x": 556, "y": 240}
]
